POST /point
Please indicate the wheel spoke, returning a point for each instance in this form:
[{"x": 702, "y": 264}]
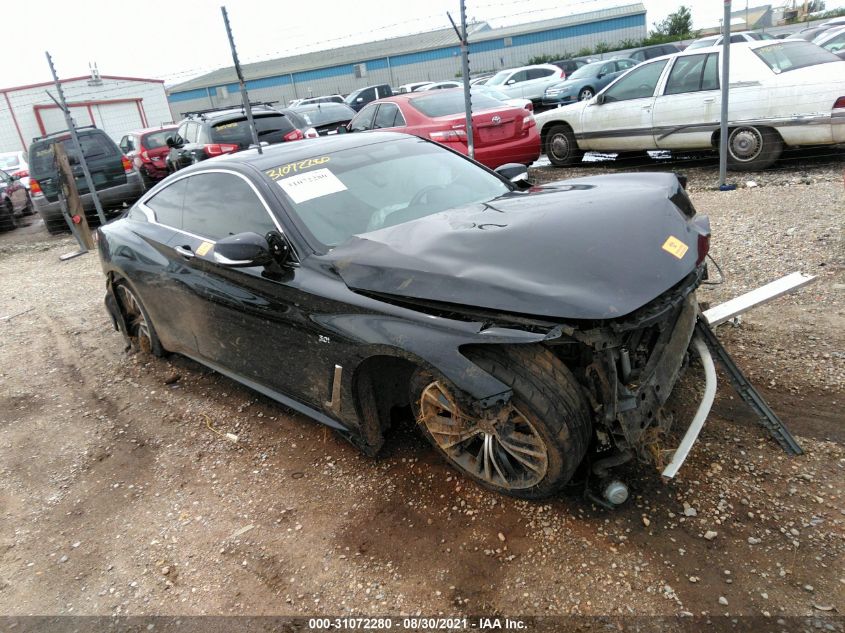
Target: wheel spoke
[
  {"x": 519, "y": 456},
  {"x": 523, "y": 443}
]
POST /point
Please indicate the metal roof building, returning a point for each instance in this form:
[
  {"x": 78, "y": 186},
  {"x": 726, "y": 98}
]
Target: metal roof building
[{"x": 434, "y": 55}]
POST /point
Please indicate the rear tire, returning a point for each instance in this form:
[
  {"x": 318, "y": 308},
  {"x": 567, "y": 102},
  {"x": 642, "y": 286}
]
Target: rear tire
[
  {"x": 29, "y": 209},
  {"x": 561, "y": 148},
  {"x": 532, "y": 449},
  {"x": 751, "y": 148},
  {"x": 141, "y": 331},
  {"x": 55, "y": 224}
]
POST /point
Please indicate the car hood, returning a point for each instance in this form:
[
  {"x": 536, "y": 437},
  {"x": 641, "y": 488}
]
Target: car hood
[{"x": 588, "y": 248}]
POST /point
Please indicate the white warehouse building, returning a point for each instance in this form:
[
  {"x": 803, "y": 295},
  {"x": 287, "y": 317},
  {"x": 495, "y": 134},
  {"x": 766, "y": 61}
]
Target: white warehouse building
[
  {"x": 113, "y": 104},
  {"x": 430, "y": 56}
]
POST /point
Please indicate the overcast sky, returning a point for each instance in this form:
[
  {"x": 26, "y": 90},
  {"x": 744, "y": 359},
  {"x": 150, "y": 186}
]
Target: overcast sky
[{"x": 178, "y": 40}]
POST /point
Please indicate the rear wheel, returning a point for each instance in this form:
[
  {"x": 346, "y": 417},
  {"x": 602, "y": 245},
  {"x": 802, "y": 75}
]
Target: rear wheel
[
  {"x": 561, "y": 148},
  {"x": 55, "y": 224},
  {"x": 140, "y": 329},
  {"x": 29, "y": 209},
  {"x": 753, "y": 148},
  {"x": 528, "y": 448}
]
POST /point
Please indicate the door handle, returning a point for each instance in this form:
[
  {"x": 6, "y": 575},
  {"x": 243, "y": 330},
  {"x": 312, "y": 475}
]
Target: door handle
[
  {"x": 710, "y": 100},
  {"x": 648, "y": 107},
  {"x": 185, "y": 251}
]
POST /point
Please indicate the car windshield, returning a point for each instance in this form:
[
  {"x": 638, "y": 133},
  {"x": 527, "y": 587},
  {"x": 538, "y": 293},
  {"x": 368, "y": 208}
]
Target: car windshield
[
  {"x": 156, "y": 140},
  {"x": 325, "y": 113},
  {"x": 708, "y": 41},
  {"x": 350, "y": 98},
  {"x": 785, "y": 56},
  {"x": 238, "y": 131},
  {"x": 364, "y": 189},
  {"x": 590, "y": 70},
  {"x": 9, "y": 161},
  {"x": 446, "y": 103},
  {"x": 499, "y": 78}
]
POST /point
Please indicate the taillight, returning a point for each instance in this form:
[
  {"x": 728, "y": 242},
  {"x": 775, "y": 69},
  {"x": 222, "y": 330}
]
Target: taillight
[
  {"x": 840, "y": 103},
  {"x": 127, "y": 164},
  {"x": 34, "y": 187},
  {"x": 312, "y": 133},
  {"x": 145, "y": 156},
  {"x": 449, "y": 136},
  {"x": 530, "y": 106},
  {"x": 218, "y": 149},
  {"x": 563, "y": 74},
  {"x": 22, "y": 173},
  {"x": 529, "y": 121},
  {"x": 703, "y": 247},
  {"x": 294, "y": 135}
]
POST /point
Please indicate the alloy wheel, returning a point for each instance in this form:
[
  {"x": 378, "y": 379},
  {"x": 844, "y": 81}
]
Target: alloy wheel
[
  {"x": 505, "y": 450},
  {"x": 136, "y": 322}
]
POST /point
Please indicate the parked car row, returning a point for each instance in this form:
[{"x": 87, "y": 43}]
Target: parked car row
[{"x": 784, "y": 93}]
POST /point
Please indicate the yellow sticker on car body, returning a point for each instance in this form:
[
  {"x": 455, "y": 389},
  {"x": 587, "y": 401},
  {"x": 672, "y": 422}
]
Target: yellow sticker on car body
[
  {"x": 203, "y": 248},
  {"x": 675, "y": 247}
]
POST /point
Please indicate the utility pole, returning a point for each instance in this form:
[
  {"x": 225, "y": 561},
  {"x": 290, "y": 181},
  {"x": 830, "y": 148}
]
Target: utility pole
[
  {"x": 75, "y": 139},
  {"x": 244, "y": 94},
  {"x": 726, "y": 64},
  {"x": 462, "y": 36}
]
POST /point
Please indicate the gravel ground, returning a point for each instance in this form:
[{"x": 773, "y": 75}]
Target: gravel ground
[{"x": 119, "y": 493}]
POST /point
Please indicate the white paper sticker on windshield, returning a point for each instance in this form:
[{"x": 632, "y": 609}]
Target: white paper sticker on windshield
[{"x": 314, "y": 184}]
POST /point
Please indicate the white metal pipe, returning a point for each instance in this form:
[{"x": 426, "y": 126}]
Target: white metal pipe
[{"x": 703, "y": 409}]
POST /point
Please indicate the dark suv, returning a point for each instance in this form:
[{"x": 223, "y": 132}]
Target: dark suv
[
  {"x": 115, "y": 178},
  {"x": 650, "y": 52},
  {"x": 361, "y": 97},
  {"x": 569, "y": 66},
  {"x": 209, "y": 133}
]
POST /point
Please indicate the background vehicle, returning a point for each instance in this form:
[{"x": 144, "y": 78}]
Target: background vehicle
[
  {"x": 15, "y": 164},
  {"x": 211, "y": 264},
  {"x": 809, "y": 34},
  {"x": 214, "y": 132},
  {"x": 650, "y": 52},
  {"x": 528, "y": 82},
  {"x": 833, "y": 40},
  {"x": 439, "y": 85},
  {"x": 673, "y": 103},
  {"x": 323, "y": 99},
  {"x": 14, "y": 200},
  {"x": 501, "y": 96},
  {"x": 116, "y": 180},
  {"x": 742, "y": 36},
  {"x": 569, "y": 66},
  {"x": 479, "y": 80},
  {"x": 361, "y": 97},
  {"x": 501, "y": 133},
  {"x": 325, "y": 117},
  {"x": 585, "y": 82},
  {"x": 412, "y": 86},
  {"x": 148, "y": 150}
]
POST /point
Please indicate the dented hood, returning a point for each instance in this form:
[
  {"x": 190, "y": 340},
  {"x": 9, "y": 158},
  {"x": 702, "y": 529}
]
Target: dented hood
[{"x": 588, "y": 248}]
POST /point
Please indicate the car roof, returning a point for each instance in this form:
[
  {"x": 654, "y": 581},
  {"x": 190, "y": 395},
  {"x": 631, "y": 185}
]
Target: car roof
[
  {"x": 147, "y": 130},
  {"x": 283, "y": 153}
]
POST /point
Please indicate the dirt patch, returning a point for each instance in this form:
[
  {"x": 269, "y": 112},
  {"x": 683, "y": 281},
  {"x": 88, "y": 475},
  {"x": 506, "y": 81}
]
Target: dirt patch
[{"x": 120, "y": 494}]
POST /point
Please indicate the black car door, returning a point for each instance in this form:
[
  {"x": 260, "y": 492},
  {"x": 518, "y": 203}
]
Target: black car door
[{"x": 257, "y": 323}]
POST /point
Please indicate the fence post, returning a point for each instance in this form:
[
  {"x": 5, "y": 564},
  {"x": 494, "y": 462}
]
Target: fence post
[{"x": 74, "y": 202}]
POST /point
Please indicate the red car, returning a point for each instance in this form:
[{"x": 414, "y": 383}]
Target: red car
[
  {"x": 501, "y": 133},
  {"x": 147, "y": 149}
]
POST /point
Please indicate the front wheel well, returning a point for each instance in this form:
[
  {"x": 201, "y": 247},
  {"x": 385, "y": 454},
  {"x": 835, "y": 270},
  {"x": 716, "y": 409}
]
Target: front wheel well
[{"x": 380, "y": 386}]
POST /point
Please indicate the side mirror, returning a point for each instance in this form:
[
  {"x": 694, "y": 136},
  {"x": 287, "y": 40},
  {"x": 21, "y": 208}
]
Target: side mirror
[
  {"x": 517, "y": 173},
  {"x": 171, "y": 142},
  {"x": 600, "y": 75},
  {"x": 243, "y": 250},
  {"x": 600, "y": 99},
  {"x": 510, "y": 82}
]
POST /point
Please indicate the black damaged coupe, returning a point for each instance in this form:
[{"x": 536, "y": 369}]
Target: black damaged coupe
[{"x": 527, "y": 327}]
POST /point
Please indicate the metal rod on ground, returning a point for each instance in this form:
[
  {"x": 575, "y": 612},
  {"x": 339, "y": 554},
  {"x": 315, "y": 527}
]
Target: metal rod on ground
[
  {"x": 75, "y": 139},
  {"x": 244, "y": 95},
  {"x": 462, "y": 36},
  {"x": 726, "y": 59}
]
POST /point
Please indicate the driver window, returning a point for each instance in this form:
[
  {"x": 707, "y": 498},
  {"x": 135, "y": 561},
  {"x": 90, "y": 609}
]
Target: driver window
[
  {"x": 522, "y": 75},
  {"x": 387, "y": 116},
  {"x": 637, "y": 84},
  {"x": 218, "y": 205}
]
